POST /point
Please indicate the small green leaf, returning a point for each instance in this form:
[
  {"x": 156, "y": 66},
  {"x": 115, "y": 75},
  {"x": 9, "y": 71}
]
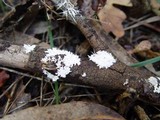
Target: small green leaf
[
  {"x": 51, "y": 40},
  {"x": 158, "y": 1},
  {"x": 2, "y": 7},
  {"x": 143, "y": 63},
  {"x": 50, "y": 34}
]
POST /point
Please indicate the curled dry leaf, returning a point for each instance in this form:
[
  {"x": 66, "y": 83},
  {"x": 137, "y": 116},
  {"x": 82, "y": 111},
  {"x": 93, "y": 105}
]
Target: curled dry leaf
[
  {"x": 112, "y": 17},
  {"x": 143, "y": 49},
  {"x": 142, "y": 46}
]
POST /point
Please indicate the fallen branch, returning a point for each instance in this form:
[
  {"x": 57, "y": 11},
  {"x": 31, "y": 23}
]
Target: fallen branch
[{"x": 118, "y": 77}]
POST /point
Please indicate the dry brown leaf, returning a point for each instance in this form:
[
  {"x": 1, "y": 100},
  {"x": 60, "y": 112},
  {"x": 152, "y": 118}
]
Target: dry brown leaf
[
  {"x": 142, "y": 46},
  {"x": 112, "y": 17},
  {"x": 67, "y": 111},
  {"x": 143, "y": 49},
  {"x": 155, "y": 4}
]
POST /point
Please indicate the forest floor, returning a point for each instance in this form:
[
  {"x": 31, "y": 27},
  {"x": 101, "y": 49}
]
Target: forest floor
[{"x": 83, "y": 60}]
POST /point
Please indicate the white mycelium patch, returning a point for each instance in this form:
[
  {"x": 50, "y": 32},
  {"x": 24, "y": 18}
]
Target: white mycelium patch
[
  {"x": 84, "y": 74},
  {"x": 50, "y": 76},
  {"x": 68, "y": 8},
  {"x": 155, "y": 81},
  {"x": 126, "y": 82},
  {"x": 28, "y": 48},
  {"x": 103, "y": 59},
  {"x": 64, "y": 61}
]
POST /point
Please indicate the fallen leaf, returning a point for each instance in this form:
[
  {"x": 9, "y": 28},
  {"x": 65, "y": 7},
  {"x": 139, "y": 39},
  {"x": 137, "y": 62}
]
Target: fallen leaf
[
  {"x": 143, "y": 49},
  {"x": 142, "y": 46},
  {"x": 111, "y": 17},
  {"x": 40, "y": 27},
  {"x": 155, "y": 4},
  {"x": 67, "y": 111},
  {"x": 3, "y": 77}
]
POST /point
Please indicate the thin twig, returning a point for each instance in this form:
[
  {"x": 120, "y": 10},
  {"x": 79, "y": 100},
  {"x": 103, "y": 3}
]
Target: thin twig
[
  {"x": 20, "y": 73},
  {"x": 143, "y": 22},
  {"x": 20, "y": 92},
  {"x": 11, "y": 86},
  {"x": 41, "y": 93},
  {"x": 7, "y": 106}
]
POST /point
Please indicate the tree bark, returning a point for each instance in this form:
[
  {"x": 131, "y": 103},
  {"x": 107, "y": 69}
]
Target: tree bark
[{"x": 113, "y": 78}]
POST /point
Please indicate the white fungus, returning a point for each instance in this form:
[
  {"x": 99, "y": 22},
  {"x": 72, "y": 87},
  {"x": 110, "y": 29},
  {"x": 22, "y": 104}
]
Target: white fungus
[
  {"x": 126, "y": 82},
  {"x": 50, "y": 76},
  {"x": 28, "y": 48},
  {"x": 84, "y": 74},
  {"x": 155, "y": 81},
  {"x": 64, "y": 61},
  {"x": 103, "y": 59}
]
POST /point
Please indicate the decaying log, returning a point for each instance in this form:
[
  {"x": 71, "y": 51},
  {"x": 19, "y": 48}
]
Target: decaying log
[{"x": 113, "y": 78}]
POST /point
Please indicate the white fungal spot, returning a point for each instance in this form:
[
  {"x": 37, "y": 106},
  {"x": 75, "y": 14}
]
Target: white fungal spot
[
  {"x": 28, "y": 48},
  {"x": 64, "y": 61},
  {"x": 50, "y": 75},
  {"x": 103, "y": 59},
  {"x": 84, "y": 74},
  {"x": 155, "y": 81},
  {"x": 126, "y": 82},
  {"x": 63, "y": 71}
]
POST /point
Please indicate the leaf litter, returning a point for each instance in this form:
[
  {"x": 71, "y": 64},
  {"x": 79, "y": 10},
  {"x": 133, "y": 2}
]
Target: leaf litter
[{"x": 111, "y": 18}]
